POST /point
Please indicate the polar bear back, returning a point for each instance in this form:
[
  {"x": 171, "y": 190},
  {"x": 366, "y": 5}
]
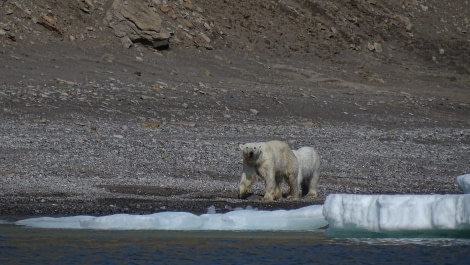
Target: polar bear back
[{"x": 279, "y": 153}]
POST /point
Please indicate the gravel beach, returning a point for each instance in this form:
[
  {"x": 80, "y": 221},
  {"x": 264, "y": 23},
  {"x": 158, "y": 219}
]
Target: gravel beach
[{"x": 93, "y": 128}]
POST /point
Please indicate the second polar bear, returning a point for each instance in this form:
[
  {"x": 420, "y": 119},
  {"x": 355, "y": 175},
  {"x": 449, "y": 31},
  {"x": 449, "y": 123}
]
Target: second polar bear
[
  {"x": 273, "y": 161},
  {"x": 309, "y": 170}
]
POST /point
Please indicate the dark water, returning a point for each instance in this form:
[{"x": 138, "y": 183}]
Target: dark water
[{"x": 20, "y": 245}]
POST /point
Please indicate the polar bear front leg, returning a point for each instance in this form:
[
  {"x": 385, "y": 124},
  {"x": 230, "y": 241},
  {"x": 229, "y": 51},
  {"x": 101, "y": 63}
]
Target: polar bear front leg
[
  {"x": 247, "y": 179},
  {"x": 270, "y": 193},
  {"x": 270, "y": 185}
]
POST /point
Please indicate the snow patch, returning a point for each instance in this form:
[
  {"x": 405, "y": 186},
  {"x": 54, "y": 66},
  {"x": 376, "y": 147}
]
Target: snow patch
[{"x": 303, "y": 219}]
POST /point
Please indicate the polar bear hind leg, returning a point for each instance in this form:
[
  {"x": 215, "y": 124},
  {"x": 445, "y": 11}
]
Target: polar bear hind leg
[
  {"x": 293, "y": 191},
  {"x": 312, "y": 186}
]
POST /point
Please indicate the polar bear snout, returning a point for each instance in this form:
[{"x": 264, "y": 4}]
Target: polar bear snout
[{"x": 251, "y": 154}]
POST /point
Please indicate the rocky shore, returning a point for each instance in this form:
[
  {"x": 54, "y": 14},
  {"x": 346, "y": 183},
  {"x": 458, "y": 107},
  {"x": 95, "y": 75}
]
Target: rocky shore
[{"x": 90, "y": 127}]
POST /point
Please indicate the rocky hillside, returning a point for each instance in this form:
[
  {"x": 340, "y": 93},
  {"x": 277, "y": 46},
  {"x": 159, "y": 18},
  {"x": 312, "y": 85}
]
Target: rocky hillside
[{"x": 434, "y": 30}]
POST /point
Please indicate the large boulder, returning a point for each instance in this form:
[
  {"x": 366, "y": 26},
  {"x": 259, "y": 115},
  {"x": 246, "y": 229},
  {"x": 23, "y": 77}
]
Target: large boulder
[{"x": 137, "y": 21}]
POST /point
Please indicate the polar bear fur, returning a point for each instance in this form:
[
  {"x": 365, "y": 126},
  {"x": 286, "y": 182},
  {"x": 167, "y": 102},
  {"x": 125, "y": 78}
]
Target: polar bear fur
[
  {"x": 309, "y": 170},
  {"x": 272, "y": 161}
]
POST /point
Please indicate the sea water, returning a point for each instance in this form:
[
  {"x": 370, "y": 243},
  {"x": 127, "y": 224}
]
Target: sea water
[{"x": 24, "y": 245}]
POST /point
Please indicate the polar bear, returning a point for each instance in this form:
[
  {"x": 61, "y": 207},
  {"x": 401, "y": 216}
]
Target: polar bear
[
  {"x": 309, "y": 170},
  {"x": 272, "y": 161}
]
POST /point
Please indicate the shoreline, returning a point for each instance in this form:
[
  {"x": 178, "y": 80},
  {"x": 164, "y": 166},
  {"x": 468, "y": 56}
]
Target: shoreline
[{"x": 111, "y": 141}]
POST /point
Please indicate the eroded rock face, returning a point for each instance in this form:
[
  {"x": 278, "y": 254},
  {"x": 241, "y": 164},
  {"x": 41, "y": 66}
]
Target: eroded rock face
[{"x": 136, "y": 21}]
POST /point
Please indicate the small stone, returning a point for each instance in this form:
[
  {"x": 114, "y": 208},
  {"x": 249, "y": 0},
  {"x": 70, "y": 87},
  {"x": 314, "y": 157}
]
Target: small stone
[
  {"x": 165, "y": 8},
  {"x": 43, "y": 120},
  {"x": 90, "y": 5},
  {"x": 378, "y": 47},
  {"x": 66, "y": 82},
  {"x": 126, "y": 42},
  {"x": 188, "y": 4},
  {"x": 168, "y": 11},
  {"x": 51, "y": 24},
  {"x": 204, "y": 37},
  {"x": 187, "y": 23},
  {"x": 254, "y": 112},
  {"x": 152, "y": 124}
]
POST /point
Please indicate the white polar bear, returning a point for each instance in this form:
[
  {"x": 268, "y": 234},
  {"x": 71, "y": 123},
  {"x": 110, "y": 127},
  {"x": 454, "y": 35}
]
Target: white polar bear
[
  {"x": 272, "y": 161},
  {"x": 309, "y": 170}
]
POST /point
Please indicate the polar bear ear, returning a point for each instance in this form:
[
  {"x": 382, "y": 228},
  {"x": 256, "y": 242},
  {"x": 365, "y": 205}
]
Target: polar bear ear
[{"x": 240, "y": 146}]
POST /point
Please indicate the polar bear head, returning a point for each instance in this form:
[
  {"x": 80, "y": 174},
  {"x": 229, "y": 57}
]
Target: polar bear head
[{"x": 251, "y": 151}]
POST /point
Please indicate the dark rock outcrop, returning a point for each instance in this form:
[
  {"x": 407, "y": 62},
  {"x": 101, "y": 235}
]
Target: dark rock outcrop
[{"x": 137, "y": 22}]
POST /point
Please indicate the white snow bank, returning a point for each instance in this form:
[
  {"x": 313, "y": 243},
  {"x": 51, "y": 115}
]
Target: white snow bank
[
  {"x": 387, "y": 213},
  {"x": 464, "y": 183},
  {"x": 306, "y": 218}
]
